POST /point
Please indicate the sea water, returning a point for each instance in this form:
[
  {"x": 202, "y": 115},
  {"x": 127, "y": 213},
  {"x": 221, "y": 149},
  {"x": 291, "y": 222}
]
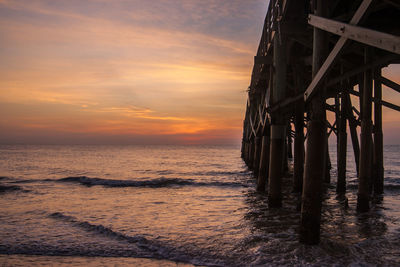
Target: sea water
[{"x": 177, "y": 205}]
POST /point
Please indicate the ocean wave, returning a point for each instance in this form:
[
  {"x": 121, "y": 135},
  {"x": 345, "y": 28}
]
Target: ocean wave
[
  {"x": 143, "y": 247},
  {"x": 100, "y": 229},
  {"x": 10, "y": 188},
  {"x": 197, "y": 173},
  {"x": 153, "y": 183}
]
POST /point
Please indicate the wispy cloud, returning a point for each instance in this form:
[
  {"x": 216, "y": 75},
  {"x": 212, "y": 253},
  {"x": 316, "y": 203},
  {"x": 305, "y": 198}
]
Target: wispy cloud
[
  {"x": 138, "y": 112},
  {"x": 168, "y": 67}
]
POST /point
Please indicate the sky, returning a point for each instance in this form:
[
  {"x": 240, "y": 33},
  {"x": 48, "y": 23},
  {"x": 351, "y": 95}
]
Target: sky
[
  {"x": 129, "y": 71},
  {"x": 98, "y": 71}
]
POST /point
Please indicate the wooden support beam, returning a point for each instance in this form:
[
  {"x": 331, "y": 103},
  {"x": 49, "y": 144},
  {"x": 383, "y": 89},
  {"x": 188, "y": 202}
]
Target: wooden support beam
[
  {"x": 342, "y": 145},
  {"x": 257, "y": 155},
  {"x": 286, "y": 102},
  {"x": 356, "y": 111},
  {"x": 323, "y": 70},
  {"x": 387, "y": 104},
  {"x": 366, "y": 138},
  {"x": 298, "y": 120},
  {"x": 244, "y": 139},
  {"x": 382, "y": 102},
  {"x": 263, "y": 59},
  {"x": 289, "y": 142},
  {"x": 393, "y": 2},
  {"x": 353, "y": 131},
  {"x": 298, "y": 161},
  {"x": 250, "y": 163},
  {"x": 378, "y": 135},
  {"x": 253, "y": 131},
  {"x": 389, "y": 83},
  {"x": 379, "y": 62},
  {"x": 294, "y": 28},
  {"x": 276, "y": 165},
  {"x": 330, "y": 108},
  {"x": 278, "y": 132},
  {"x": 315, "y": 163},
  {"x": 264, "y": 161},
  {"x": 366, "y": 36},
  {"x": 261, "y": 115},
  {"x": 337, "y": 120}
]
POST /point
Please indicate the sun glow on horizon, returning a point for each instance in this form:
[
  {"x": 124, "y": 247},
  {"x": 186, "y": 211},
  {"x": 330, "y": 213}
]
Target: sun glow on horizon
[
  {"x": 135, "y": 71},
  {"x": 74, "y": 70}
]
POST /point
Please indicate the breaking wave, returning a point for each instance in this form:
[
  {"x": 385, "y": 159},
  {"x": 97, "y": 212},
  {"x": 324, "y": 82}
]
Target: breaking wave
[
  {"x": 10, "y": 188},
  {"x": 153, "y": 183}
]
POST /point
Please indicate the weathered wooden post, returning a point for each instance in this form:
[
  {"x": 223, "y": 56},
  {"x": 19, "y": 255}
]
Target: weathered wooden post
[
  {"x": 353, "y": 131},
  {"x": 285, "y": 159},
  {"x": 257, "y": 154},
  {"x": 289, "y": 142},
  {"x": 342, "y": 146},
  {"x": 378, "y": 135},
  {"x": 244, "y": 137},
  {"x": 264, "y": 162},
  {"x": 243, "y": 148},
  {"x": 328, "y": 166},
  {"x": 366, "y": 139},
  {"x": 298, "y": 161},
  {"x": 315, "y": 161},
  {"x": 245, "y": 152},
  {"x": 251, "y": 154},
  {"x": 278, "y": 129}
]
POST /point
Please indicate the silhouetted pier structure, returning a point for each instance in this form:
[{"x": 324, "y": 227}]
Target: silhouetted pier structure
[{"x": 318, "y": 56}]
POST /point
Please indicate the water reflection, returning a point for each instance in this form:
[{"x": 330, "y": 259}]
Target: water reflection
[{"x": 274, "y": 232}]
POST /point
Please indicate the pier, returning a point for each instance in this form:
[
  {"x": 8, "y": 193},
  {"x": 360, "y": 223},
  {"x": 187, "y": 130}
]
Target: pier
[{"x": 318, "y": 57}]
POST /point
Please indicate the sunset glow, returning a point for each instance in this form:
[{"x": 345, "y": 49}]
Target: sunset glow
[{"x": 97, "y": 71}]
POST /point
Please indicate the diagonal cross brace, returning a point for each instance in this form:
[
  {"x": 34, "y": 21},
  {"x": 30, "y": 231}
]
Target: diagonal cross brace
[
  {"x": 366, "y": 36},
  {"x": 335, "y": 52}
]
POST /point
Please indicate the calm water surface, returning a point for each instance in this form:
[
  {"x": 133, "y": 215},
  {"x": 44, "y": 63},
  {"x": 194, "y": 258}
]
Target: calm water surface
[{"x": 176, "y": 205}]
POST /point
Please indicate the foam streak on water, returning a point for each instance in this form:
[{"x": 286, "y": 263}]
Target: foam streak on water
[{"x": 169, "y": 205}]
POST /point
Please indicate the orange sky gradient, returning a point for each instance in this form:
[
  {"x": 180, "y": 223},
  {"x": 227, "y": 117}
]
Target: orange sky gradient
[{"x": 131, "y": 72}]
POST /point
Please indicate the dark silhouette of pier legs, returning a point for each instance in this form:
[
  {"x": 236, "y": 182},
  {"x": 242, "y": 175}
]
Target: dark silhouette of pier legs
[
  {"x": 366, "y": 141},
  {"x": 328, "y": 163},
  {"x": 289, "y": 142},
  {"x": 257, "y": 155},
  {"x": 278, "y": 125},
  {"x": 312, "y": 187},
  {"x": 378, "y": 135},
  {"x": 342, "y": 146},
  {"x": 246, "y": 152},
  {"x": 353, "y": 132},
  {"x": 277, "y": 152},
  {"x": 264, "y": 161},
  {"x": 298, "y": 161},
  {"x": 279, "y": 95},
  {"x": 251, "y": 154},
  {"x": 315, "y": 161}
]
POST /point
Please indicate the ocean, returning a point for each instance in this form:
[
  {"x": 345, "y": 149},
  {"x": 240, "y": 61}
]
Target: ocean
[{"x": 177, "y": 206}]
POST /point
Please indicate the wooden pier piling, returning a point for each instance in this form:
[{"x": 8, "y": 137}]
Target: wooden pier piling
[
  {"x": 278, "y": 127},
  {"x": 311, "y": 51},
  {"x": 298, "y": 161},
  {"x": 264, "y": 161},
  {"x": 257, "y": 155},
  {"x": 364, "y": 181},
  {"x": 378, "y": 135},
  {"x": 342, "y": 145},
  {"x": 315, "y": 162}
]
